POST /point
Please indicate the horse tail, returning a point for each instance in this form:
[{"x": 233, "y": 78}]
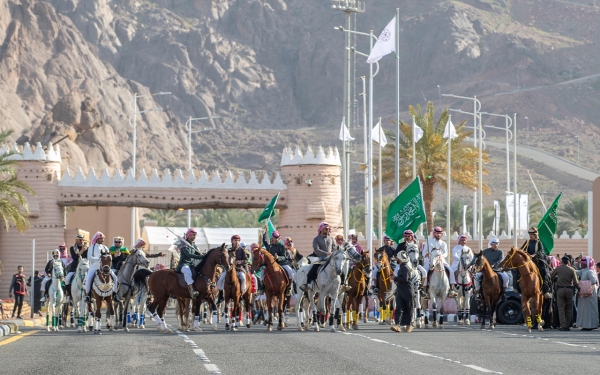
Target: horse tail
[{"x": 140, "y": 278}]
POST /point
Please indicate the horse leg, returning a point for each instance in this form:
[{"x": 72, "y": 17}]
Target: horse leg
[
  {"x": 467, "y": 314},
  {"x": 433, "y": 300},
  {"x": 110, "y": 312},
  {"x": 526, "y": 311},
  {"x": 97, "y": 317},
  {"x": 484, "y": 305},
  {"x": 538, "y": 306},
  {"x": 269, "y": 309},
  {"x": 280, "y": 309},
  {"x": 300, "y": 314},
  {"x": 442, "y": 311}
]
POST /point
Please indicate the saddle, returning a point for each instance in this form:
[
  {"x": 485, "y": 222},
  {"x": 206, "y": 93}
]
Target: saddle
[
  {"x": 181, "y": 277},
  {"x": 431, "y": 272}
]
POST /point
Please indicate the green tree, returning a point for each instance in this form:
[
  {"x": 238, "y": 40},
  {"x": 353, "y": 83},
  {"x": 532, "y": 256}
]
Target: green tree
[
  {"x": 13, "y": 204},
  {"x": 166, "y": 218},
  {"x": 431, "y": 156},
  {"x": 456, "y": 214},
  {"x": 576, "y": 211}
]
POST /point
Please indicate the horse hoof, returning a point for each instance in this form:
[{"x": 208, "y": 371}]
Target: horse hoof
[
  {"x": 226, "y": 328},
  {"x": 203, "y": 321},
  {"x": 300, "y": 329},
  {"x": 142, "y": 327},
  {"x": 99, "y": 332},
  {"x": 214, "y": 327},
  {"x": 84, "y": 329},
  {"x": 332, "y": 330},
  {"x": 248, "y": 325},
  {"x": 111, "y": 329},
  {"x": 79, "y": 330},
  {"x": 47, "y": 329},
  {"x": 540, "y": 329},
  {"x": 126, "y": 329},
  {"x": 434, "y": 324},
  {"x": 279, "y": 327},
  {"x": 468, "y": 322},
  {"x": 355, "y": 327},
  {"x": 529, "y": 330},
  {"x": 342, "y": 329},
  {"x": 482, "y": 326},
  {"x": 427, "y": 326},
  {"x": 460, "y": 322},
  {"x": 269, "y": 328},
  {"x": 322, "y": 325},
  {"x": 286, "y": 325},
  {"x": 317, "y": 329},
  {"x": 159, "y": 329}
]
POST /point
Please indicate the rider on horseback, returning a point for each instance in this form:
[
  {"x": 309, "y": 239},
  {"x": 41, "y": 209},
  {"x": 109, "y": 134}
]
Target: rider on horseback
[
  {"x": 533, "y": 246},
  {"x": 238, "y": 252},
  {"x": 48, "y": 271},
  {"x": 494, "y": 256},
  {"x": 410, "y": 245},
  {"x": 279, "y": 252},
  {"x": 391, "y": 254},
  {"x": 322, "y": 247},
  {"x": 457, "y": 252},
  {"x": 435, "y": 242},
  {"x": 119, "y": 253},
  {"x": 188, "y": 252},
  {"x": 94, "y": 255},
  {"x": 76, "y": 252}
]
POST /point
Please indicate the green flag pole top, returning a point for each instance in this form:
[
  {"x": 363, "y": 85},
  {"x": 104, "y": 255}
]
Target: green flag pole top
[
  {"x": 407, "y": 211},
  {"x": 547, "y": 226},
  {"x": 269, "y": 208}
]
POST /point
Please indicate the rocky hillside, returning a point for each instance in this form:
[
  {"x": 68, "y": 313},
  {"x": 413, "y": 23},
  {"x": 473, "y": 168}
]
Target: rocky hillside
[{"x": 272, "y": 70}]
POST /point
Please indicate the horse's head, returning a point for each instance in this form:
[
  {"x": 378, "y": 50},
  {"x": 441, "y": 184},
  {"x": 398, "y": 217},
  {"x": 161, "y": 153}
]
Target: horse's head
[
  {"x": 381, "y": 258},
  {"x": 364, "y": 263},
  {"x": 351, "y": 252},
  {"x": 139, "y": 258},
  {"x": 223, "y": 257},
  {"x": 105, "y": 261},
  {"x": 464, "y": 258},
  {"x": 479, "y": 262},
  {"x": 337, "y": 259},
  {"x": 436, "y": 261},
  {"x": 413, "y": 253},
  {"x": 58, "y": 270},
  {"x": 83, "y": 267},
  {"x": 258, "y": 259},
  {"x": 507, "y": 263}
]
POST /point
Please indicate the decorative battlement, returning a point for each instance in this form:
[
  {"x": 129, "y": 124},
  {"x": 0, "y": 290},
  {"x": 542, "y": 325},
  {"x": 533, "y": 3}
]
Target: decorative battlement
[
  {"x": 126, "y": 179},
  {"x": 37, "y": 153},
  {"x": 332, "y": 157}
]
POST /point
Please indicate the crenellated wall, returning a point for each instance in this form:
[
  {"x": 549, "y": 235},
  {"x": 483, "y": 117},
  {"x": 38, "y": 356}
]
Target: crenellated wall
[{"x": 302, "y": 207}]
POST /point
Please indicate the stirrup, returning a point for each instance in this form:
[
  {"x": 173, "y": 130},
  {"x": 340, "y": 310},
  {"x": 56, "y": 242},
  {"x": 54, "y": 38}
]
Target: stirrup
[
  {"x": 193, "y": 292},
  {"x": 304, "y": 287}
]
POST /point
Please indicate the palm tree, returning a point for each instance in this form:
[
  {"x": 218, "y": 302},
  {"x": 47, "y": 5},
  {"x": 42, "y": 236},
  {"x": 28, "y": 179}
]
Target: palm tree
[
  {"x": 356, "y": 218},
  {"x": 456, "y": 212},
  {"x": 13, "y": 204},
  {"x": 431, "y": 154},
  {"x": 577, "y": 211},
  {"x": 166, "y": 218}
]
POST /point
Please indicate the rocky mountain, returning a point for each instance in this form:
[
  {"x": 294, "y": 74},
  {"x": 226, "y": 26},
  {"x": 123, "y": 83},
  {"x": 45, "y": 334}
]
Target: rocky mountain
[{"x": 272, "y": 70}]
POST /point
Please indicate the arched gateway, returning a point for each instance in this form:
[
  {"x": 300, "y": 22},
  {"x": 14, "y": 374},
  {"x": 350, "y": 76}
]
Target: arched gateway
[{"x": 309, "y": 184}]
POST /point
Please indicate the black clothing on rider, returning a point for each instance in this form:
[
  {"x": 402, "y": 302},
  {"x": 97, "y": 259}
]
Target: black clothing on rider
[
  {"x": 75, "y": 252},
  {"x": 535, "y": 249},
  {"x": 277, "y": 250},
  {"x": 404, "y": 296},
  {"x": 241, "y": 259},
  {"x": 117, "y": 261}
]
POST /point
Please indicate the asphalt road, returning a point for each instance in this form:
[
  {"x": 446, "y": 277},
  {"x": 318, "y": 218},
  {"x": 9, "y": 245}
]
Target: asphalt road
[{"x": 373, "y": 349}]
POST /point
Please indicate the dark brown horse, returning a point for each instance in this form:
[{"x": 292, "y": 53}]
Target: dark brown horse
[
  {"x": 491, "y": 287},
  {"x": 232, "y": 293},
  {"x": 530, "y": 283},
  {"x": 275, "y": 281},
  {"x": 165, "y": 283},
  {"x": 102, "y": 289},
  {"x": 358, "y": 282},
  {"x": 384, "y": 284}
]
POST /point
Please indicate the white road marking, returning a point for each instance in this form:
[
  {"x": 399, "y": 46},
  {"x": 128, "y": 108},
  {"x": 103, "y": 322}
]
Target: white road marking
[
  {"x": 482, "y": 369},
  {"x": 565, "y": 343},
  {"x": 381, "y": 341},
  {"x": 211, "y": 367}
]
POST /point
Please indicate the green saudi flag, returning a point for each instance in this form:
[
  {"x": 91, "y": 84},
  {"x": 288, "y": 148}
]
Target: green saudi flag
[
  {"x": 547, "y": 226},
  {"x": 269, "y": 208},
  {"x": 270, "y": 228},
  {"x": 406, "y": 211}
]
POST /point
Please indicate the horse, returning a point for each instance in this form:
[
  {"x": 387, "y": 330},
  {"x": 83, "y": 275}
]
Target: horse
[
  {"x": 165, "y": 283},
  {"x": 140, "y": 297},
  {"x": 358, "y": 282},
  {"x": 102, "y": 287},
  {"x": 414, "y": 256},
  {"x": 275, "y": 281},
  {"x": 183, "y": 313},
  {"x": 55, "y": 296},
  {"x": 465, "y": 284},
  {"x": 232, "y": 293},
  {"x": 125, "y": 288},
  {"x": 385, "y": 286},
  {"x": 81, "y": 308},
  {"x": 491, "y": 287},
  {"x": 530, "y": 283},
  {"x": 439, "y": 285}
]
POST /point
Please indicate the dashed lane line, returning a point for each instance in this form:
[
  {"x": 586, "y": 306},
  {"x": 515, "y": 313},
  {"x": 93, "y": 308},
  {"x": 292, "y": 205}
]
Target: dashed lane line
[
  {"x": 210, "y": 367},
  {"x": 417, "y": 352}
]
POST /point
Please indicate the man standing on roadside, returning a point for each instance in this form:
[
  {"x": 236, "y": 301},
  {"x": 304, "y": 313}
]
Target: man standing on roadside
[
  {"x": 20, "y": 288},
  {"x": 566, "y": 280}
]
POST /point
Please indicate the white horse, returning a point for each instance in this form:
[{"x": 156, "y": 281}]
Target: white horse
[
  {"x": 78, "y": 292},
  {"x": 417, "y": 276},
  {"x": 465, "y": 283},
  {"x": 126, "y": 289},
  {"x": 56, "y": 296},
  {"x": 439, "y": 285}
]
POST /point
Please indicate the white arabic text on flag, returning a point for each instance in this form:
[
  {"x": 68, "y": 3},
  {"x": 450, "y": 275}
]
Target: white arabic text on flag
[
  {"x": 345, "y": 133},
  {"x": 377, "y": 133},
  {"x": 450, "y": 130},
  {"x": 386, "y": 43},
  {"x": 417, "y": 132}
]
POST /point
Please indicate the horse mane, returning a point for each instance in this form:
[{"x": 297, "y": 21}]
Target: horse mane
[
  {"x": 203, "y": 260},
  {"x": 519, "y": 251}
]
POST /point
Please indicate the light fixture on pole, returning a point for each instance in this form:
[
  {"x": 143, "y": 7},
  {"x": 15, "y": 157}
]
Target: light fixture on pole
[
  {"x": 527, "y": 135},
  {"x": 134, "y": 108},
  {"x": 188, "y": 128}
]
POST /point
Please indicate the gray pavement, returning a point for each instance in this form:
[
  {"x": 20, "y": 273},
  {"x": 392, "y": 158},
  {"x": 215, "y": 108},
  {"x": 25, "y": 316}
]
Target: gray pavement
[{"x": 373, "y": 349}]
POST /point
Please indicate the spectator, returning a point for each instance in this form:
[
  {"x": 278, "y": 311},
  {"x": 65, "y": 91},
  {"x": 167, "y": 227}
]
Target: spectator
[
  {"x": 18, "y": 285},
  {"x": 37, "y": 291},
  {"x": 587, "y": 305},
  {"x": 566, "y": 279}
]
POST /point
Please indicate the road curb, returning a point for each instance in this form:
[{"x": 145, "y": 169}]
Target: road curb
[{"x": 6, "y": 328}]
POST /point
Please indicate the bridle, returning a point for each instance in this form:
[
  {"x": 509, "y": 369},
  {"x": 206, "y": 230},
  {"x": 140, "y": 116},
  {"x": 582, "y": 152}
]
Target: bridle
[{"x": 438, "y": 258}]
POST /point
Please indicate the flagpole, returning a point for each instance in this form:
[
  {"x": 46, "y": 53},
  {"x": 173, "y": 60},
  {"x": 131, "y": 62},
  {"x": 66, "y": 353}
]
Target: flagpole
[
  {"x": 448, "y": 179},
  {"x": 369, "y": 227},
  {"x": 365, "y": 148},
  {"x": 397, "y": 153},
  {"x": 414, "y": 153},
  {"x": 515, "y": 178},
  {"x": 380, "y": 183},
  {"x": 344, "y": 179}
]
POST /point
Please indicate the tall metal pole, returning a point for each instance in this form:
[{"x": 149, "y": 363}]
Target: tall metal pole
[
  {"x": 515, "y": 178},
  {"x": 475, "y": 145},
  {"x": 370, "y": 156},
  {"x": 380, "y": 183},
  {"x": 135, "y": 110},
  {"x": 480, "y": 185},
  {"x": 366, "y": 157},
  {"x": 188, "y": 125},
  {"x": 414, "y": 152},
  {"x": 32, "y": 291},
  {"x": 345, "y": 167},
  {"x": 397, "y": 153},
  {"x": 449, "y": 183}
]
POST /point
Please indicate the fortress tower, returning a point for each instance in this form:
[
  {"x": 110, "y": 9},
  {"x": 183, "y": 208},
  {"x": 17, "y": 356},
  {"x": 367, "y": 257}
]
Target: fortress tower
[{"x": 314, "y": 194}]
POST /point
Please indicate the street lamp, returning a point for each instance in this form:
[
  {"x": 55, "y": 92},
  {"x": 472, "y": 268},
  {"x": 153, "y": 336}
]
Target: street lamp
[
  {"x": 439, "y": 92},
  {"x": 134, "y": 108},
  {"x": 527, "y": 118},
  {"x": 577, "y": 137},
  {"x": 188, "y": 127},
  {"x": 369, "y": 140}
]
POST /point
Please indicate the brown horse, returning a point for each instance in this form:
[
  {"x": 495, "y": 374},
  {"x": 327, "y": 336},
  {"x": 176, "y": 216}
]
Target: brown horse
[
  {"x": 384, "y": 284},
  {"x": 102, "y": 289},
  {"x": 358, "y": 282},
  {"x": 491, "y": 287},
  {"x": 232, "y": 293},
  {"x": 183, "y": 313},
  {"x": 530, "y": 283},
  {"x": 165, "y": 283},
  {"x": 275, "y": 281}
]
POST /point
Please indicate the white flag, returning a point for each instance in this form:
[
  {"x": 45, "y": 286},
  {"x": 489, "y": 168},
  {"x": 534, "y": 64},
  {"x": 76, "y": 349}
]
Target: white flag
[
  {"x": 345, "y": 133},
  {"x": 417, "y": 132},
  {"x": 377, "y": 134},
  {"x": 386, "y": 43},
  {"x": 450, "y": 130}
]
